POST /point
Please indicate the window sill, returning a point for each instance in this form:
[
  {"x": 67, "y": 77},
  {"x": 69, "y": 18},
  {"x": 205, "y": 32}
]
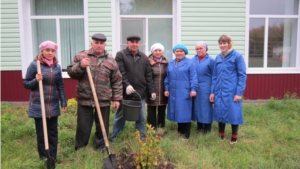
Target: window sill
[
  {"x": 273, "y": 71},
  {"x": 65, "y": 75}
]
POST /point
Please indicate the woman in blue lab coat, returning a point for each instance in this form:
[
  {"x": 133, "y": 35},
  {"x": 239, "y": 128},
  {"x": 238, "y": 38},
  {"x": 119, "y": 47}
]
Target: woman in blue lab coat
[
  {"x": 228, "y": 86},
  {"x": 202, "y": 107},
  {"x": 180, "y": 87}
]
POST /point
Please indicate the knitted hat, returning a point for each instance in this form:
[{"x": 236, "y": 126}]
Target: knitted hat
[
  {"x": 157, "y": 46},
  {"x": 181, "y": 46},
  {"x": 202, "y": 43},
  {"x": 48, "y": 45}
]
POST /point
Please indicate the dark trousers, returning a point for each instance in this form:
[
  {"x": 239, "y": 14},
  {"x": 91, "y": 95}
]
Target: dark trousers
[
  {"x": 85, "y": 117},
  {"x": 159, "y": 120},
  {"x": 184, "y": 129},
  {"x": 203, "y": 127},
  {"x": 234, "y": 128},
  {"x": 52, "y": 136}
]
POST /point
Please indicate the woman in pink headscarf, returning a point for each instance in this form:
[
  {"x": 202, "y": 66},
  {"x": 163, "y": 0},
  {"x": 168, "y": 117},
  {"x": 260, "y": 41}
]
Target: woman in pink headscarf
[{"x": 54, "y": 96}]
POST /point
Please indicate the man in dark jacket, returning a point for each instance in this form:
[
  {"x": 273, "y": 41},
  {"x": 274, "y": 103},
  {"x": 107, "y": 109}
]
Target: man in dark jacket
[
  {"x": 137, "y": 81},
  {"x": 107, "y": 80}
]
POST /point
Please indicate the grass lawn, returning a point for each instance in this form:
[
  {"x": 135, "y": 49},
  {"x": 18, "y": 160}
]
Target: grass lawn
[{"x": 270, "y": 138}]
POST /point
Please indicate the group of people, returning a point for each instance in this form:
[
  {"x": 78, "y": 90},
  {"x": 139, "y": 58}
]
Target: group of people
[{"x": 200, "y": 89}]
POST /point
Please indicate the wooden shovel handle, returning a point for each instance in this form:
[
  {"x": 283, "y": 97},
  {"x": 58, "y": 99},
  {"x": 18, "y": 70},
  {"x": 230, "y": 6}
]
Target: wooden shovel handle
[
  {"x": 43, "y": 107},
  {"x": 97, "y": 106}
]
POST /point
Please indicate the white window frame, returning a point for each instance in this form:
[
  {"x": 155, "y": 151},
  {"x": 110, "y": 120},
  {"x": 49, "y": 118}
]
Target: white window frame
[
  {"x": 145, "y": 26},
  {"x": 116, "y": 27},
  {"x": 266, "y": 70},
  {"x": 26, "y": 32}
]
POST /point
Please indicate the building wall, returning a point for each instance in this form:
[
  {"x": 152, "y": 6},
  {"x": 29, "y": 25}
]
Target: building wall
[
  {"x": 99, "y": 19},
  {"x": 208, "y": 20},
  {"x": 201, "y": 20},
  {"x": 12, "y": 88},
  {"x": 265, "y": 86},
  {"x": 10, "y": 42},
  {"x": 261, "y": 86}
]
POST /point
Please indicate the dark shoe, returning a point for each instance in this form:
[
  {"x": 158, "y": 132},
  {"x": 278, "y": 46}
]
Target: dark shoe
[
  {"x": 233, "y": 142},
  {"x": 205, "y": 132},
  {"x": 44, "y": 158},
  {"x": 57, "y": 161},
  {"x": 112, "y": 139}
]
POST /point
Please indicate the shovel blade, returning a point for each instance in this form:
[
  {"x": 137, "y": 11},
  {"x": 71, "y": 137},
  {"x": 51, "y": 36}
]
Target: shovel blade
[
  {"x": 110, "y": 162},
  {"x": 50, "y": 163}
]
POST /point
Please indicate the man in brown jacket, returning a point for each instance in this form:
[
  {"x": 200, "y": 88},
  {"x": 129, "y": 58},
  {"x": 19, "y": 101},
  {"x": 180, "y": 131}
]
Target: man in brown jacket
[{"x": 108, "y": 84}]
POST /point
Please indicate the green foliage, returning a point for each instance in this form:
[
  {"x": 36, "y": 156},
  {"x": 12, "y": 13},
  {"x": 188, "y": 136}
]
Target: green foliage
[
  {"x": 149, "y": 153},
  {"x": 72, "y": 106}
]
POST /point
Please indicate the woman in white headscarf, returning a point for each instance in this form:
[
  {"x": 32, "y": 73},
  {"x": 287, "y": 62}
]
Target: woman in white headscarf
[{"x": 157, "y": 107}]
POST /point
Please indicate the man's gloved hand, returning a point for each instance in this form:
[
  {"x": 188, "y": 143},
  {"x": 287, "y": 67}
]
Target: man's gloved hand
[
  {"x": 153, "y": 96},
  {"x": 129, "y": 90}
]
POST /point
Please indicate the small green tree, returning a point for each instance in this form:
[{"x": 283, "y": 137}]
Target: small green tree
[
  {"x": 149, "y": 153},
  {"x": 72, "y": 106}
]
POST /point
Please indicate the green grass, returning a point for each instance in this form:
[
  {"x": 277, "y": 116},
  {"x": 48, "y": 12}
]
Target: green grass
[{"x": 270, "y": 138}]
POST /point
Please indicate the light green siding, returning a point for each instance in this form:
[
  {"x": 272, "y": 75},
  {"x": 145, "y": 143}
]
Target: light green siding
[
  {"x": 99, "y": 19},
  {"x": 10, "y": 36},
  {"x": 201, "y": 20},
  {"x": 208, "y": 20}
]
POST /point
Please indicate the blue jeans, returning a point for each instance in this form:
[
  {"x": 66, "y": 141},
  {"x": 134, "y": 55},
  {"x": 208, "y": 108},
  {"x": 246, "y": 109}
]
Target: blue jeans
[{"x": 119, "y": 122}]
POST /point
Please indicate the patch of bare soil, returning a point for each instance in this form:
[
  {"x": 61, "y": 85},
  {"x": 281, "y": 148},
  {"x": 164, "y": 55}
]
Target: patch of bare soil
[{"x": 127, "y": 162}]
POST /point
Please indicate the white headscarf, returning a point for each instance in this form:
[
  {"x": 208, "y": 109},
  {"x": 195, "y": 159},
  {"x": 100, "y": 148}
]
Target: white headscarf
[{"x": 157, "y": 46}]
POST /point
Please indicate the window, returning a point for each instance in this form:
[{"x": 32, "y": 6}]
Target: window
[
  {"x": 152, "y": 20},
  {"x": 274, "y": 35},
  {"x": 62, "y": 22}
]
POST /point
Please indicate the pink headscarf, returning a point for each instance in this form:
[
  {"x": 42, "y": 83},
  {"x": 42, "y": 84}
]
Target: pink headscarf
[{"x": 48, "y": 45}]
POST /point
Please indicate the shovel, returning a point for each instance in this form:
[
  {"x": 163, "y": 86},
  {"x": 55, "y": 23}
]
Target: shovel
[
  {"x": 110, "y": 162},
  {"x": 50, "y": 162}
]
